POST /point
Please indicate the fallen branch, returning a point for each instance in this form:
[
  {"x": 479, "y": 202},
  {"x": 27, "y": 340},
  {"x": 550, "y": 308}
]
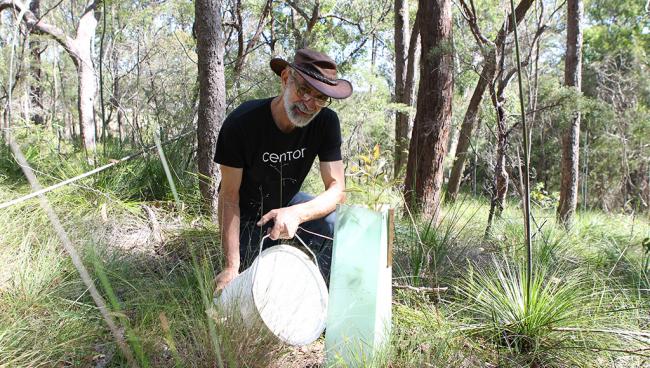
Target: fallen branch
[{"x": 421, "y": 289}]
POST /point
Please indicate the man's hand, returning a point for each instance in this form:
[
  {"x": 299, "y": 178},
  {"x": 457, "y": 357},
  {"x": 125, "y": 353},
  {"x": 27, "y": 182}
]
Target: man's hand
[
  {"x": 224, "y": 278},
  {"x": 285, "y": 222}
]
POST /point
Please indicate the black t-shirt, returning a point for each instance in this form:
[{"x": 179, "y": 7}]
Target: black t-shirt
[{"x": 275, "y": 163}]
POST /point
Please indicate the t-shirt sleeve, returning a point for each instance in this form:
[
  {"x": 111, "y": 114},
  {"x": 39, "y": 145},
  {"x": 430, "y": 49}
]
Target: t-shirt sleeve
[
  {"x": 230, "y": 146},
  {"x": 330, "y": 149}
]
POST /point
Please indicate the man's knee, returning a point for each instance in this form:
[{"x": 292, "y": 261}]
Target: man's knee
[{"x": 329, "y": 222}]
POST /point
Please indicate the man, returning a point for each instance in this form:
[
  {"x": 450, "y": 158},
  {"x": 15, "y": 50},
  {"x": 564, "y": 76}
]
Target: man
[{"x": 265, "y": 150}]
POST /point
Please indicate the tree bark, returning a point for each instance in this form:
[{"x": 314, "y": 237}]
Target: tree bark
[
  {"x": 35, "y": 88},
  {"x": 212, "y": 94},
  {"x": 116, "y": 92},
  {"x": 501, "y": 177},
  {"x": 405, "y": 61},
  {"x": 571, "y": 135},
  {"x": 86, "y": 76},
  {"x": 433, "y": 118},
  {"x": 401, "y": 35}
]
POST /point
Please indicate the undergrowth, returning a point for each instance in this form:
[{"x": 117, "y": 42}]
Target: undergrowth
[{"x": 154, "y": 264}]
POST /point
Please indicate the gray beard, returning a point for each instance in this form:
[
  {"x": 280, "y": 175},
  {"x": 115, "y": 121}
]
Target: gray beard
[{"x": 295, "y": 119}]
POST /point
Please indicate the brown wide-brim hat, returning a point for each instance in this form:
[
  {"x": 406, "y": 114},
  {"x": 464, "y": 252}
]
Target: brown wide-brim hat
[{"x": 318, "y": 70}]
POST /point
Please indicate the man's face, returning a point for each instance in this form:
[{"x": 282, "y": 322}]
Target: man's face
[{"x": 301, "y": 102}]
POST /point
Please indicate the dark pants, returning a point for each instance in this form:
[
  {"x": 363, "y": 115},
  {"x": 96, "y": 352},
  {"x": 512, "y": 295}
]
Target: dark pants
[{"x": 250, "y": 236}]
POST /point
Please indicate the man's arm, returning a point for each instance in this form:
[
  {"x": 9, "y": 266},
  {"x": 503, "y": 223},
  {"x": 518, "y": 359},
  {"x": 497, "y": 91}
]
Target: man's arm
[
  {"x": 228, "y": 214},
  {"x": 286, "y": 220}
]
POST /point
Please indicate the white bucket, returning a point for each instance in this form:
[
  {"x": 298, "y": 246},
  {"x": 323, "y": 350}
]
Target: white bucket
[{"x": 283, "y": 291}]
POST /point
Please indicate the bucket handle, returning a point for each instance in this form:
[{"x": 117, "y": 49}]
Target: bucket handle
[{"x": 301, "y": 241}]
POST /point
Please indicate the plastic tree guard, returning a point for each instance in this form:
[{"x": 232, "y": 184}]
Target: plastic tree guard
[{"x": 359, "y": 311}]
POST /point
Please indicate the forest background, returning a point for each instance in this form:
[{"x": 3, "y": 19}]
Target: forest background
[{"x": 434, "y": 128}]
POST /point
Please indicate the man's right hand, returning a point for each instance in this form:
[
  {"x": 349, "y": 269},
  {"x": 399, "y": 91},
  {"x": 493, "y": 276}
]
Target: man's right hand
[{"x": 224, "y": 278}]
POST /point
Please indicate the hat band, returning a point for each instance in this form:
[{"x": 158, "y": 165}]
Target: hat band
[{"x": 316, "y": 76}]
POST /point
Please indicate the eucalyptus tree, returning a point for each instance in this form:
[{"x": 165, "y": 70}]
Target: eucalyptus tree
[
  {"x": 430, "y": 136},
  {"x": 571, "y": 134},
  {"x": 79, "y": 50},
  {"x": 35, "y": 88},
  {"x": 405, "y": 55},
  {"x": 212, "y": 92}
]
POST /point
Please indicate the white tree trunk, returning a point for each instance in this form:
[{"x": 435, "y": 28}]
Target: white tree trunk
[{"x": 79, "y": 49}]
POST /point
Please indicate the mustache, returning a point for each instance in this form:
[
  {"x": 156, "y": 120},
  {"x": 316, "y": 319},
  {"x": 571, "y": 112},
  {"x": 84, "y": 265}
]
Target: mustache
[{"x": 303, "y": 108}]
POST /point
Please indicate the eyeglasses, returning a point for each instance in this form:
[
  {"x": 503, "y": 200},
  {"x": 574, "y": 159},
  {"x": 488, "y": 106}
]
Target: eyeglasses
[{"x": 303, "y": 90}]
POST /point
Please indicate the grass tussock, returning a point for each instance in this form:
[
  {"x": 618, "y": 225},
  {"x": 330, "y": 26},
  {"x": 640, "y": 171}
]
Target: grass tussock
[{"x": 520, "y": 319}]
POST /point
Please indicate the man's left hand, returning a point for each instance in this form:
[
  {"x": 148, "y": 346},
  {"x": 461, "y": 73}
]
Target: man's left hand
[{"x": 286, "y": 221}]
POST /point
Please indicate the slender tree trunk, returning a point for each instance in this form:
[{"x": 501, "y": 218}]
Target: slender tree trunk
[
  {"x": 106, "y": 134},
  {"x": 486, "y": 77},
  {"x": 135, "y": 129},
  {"x": 86, "y": 77},
  {"x": 401, "y": 35},
  {"x": 212, "y": 94},
  {"x": 405, "y": 81},
  {"x": 433, "y": 118},
  {"x": 501, "y": 177},
  {"x": 571, "y": 136},
  {"x": 65, "y": 110},
  {"x": 116, "y": 93},
  {"x": 467, "y": 127},
  {"x": 35, "y": 88},
  {"x": 55, "y": 91},
  {"x": 5, "y": 125}
]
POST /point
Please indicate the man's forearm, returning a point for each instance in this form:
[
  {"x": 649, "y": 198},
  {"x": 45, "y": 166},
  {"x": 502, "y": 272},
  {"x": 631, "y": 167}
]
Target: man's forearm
[
  {"x": 229, "y": 227},
  {"x": 322, "y": 205}
]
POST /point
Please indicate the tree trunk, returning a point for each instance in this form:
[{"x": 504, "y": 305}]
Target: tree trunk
[
  {"x": 401, "y": 35},
  {"x": 86, "y": 76},
  {"x": 212, "y": 95},
  {"x": 501, "y": 177},
  {"x": 116, "y": 93},
  {"x": 433, "y": 118},
  {"x": 571, "y": 136},
  {"x": 467, "y": 127},
  {"x": 471, "y": 115},
  {"x": 35, "y": 88},
  {"x": 87, "y": 89},
  {"x": 405, "y": 61}
]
